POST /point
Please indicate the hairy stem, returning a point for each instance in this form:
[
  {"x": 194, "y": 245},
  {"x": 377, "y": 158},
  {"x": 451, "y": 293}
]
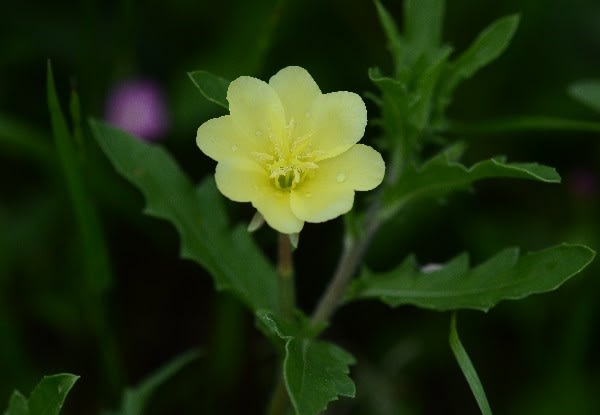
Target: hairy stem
[
  {"x": 354, "y": 249},
  {"x": 280, "y": 402}
]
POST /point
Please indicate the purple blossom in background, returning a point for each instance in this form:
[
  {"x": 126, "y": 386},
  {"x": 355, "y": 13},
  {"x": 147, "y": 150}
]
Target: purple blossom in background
[
  {"x": 138, "y": 106},
  {"x": 583, "y": 183}
]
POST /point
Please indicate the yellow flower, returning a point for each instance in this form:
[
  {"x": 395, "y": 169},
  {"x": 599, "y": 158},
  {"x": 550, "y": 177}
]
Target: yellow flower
[{"x": 290, "y": 150}]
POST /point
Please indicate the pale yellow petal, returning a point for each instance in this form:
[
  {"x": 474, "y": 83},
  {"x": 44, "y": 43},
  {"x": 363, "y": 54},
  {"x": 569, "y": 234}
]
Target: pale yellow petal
[
  {"x": 255, "y": 108},
  {"x": 320, "y": 203},
  {"x": 330, "y": 192},
  {"x": 337, "y": 121},
  {"x": 240, "y": 179},
  {"x": 361, "y": 168},
  {"x": 274, "y": 205},
  {"x": 297, "y": 91},
  {"x": 219, "y": 138}
]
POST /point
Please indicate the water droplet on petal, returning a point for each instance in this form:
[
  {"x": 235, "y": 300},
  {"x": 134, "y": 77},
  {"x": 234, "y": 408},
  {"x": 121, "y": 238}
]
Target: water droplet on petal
[
  {"x": 308, "y": 195},
  {"x": 258, "y": 133},
  {"x": 234, "y": 148},
  {"x": 307, "y": 115},
  {"x": 341, "y": 177}
]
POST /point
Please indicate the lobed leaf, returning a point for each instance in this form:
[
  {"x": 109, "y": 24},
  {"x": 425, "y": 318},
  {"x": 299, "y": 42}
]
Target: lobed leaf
[
  {"x": 47, "y": 397},
  {"x": 315, "y": 371},
  {"x": 490, "y": 44},
  {"x": 212, "y": 87},
  {"x": 442, "y": 175},
  {"x": 232, "y": 258},
  {"x": 456, "y": 286}
]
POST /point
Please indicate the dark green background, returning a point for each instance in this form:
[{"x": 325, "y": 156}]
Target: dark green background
[{"x": 536, "y": 356}]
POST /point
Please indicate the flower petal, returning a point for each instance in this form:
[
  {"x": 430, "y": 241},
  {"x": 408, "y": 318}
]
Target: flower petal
[
  {"x": 255, "y": 108},
  {"x": 240, "y": 179},
  {"x": 297, "y": 90},
  {"x": 243, "y": 180},
  {"x": 337, "y": 121},
  {"x": 362, "y": 168},
  {"x": 219, "y": 138},
  {"x": 274, "y": 205},
  {"x": 330, "y": 192}
]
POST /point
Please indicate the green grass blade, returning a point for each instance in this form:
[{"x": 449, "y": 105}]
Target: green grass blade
[
  {"x": 95, "y": 257},
  {"x": 467, "y": 368}
]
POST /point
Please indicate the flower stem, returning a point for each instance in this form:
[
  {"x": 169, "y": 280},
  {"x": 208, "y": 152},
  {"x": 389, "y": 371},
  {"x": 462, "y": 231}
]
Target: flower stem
[
  {"x": 354, "y": 249},
  {"x": 285, "y": 269},
  {"x": 280, "y": 402}
]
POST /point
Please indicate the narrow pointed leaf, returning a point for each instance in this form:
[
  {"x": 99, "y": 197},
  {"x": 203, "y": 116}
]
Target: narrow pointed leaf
[
  {"x": 136, "y": 399},
  {"x": 212, "y": 87},
  {"x": 231, "y": 257},
  {"x": 466, "y": 366},
  {"x": 95, "y": 256},
  {"x": 395, "y": 41},
  {"x": 587, "y": 92},
  {"x": 505, "y": 276},
  {"x": 442, "y": 175},
  {"x": 490, "y": 44},
  {"x": 423, "y": 21}
]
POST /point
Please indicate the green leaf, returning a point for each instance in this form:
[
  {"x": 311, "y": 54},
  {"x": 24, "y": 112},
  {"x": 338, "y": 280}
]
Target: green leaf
[
  {"x": 490, "y": 44},
  {"x": 442, "y": 175},
  {"x": 423, "y": 21},
  {"x": 136, "y": 399},
  {"x": 587, "y": 92},
  {"x": 95, "y": 255},
  {"x": 505, "y": 276},
  {"x": 17, "y": 405},
  {"x": 465, "y": 364},
  {"x": 46, "y": 399},
  {"x": 395, "y": 41},
  {"x": 315, "y": 371},
  {"x": 212, "y": 87},
  {"x": 232, "y": 258}
]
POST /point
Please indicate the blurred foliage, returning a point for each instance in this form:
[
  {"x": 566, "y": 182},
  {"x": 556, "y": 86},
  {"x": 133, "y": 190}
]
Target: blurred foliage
[{"x": 537, "y": 357}]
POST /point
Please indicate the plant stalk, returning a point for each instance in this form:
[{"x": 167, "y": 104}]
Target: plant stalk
[
  {"x": 354, "y": 250},
  {"x": 285, "y": 269},
  {"x": 280, "y": 402}
]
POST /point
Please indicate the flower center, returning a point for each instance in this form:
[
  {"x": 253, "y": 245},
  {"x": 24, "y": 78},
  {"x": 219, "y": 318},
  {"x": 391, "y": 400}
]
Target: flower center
[{"x": 291, "y": 159}]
